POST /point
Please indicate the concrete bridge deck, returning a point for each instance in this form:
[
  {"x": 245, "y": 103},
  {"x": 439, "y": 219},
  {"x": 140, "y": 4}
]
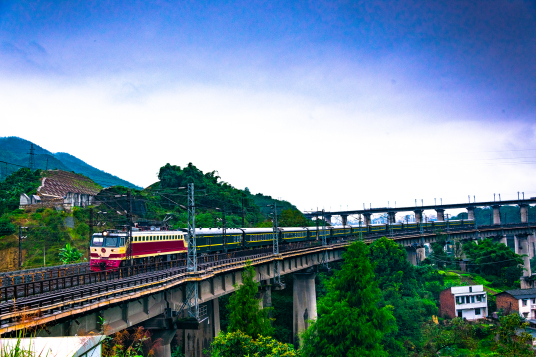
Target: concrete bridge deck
[{"x": 147, "y": 299}]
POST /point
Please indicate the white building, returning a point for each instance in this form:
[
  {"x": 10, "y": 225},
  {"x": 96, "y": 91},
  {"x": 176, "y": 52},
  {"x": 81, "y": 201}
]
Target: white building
[{"x": 468, "y": 302}]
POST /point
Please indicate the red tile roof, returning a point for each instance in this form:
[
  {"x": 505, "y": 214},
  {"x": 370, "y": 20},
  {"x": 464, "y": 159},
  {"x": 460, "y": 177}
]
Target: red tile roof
[{"x": 58, "y": 183}]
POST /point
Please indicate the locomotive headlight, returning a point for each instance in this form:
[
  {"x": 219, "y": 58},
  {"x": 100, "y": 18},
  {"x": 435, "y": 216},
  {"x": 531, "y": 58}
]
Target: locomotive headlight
[{"x": 105, "y": 233}]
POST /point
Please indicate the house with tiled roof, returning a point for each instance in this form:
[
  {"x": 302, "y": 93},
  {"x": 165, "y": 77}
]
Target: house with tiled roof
[
  {"x": 62, "y": 188},
  {"x": 522, "y": 301}
]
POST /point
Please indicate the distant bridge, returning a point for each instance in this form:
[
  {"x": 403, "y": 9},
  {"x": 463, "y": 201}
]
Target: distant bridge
[{"x": 440, "y": 209}]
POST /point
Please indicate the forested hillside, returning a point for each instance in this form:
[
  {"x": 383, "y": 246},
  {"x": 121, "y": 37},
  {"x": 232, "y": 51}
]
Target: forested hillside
[
  {"x": 14, "y": 150},
  {"x": 217, "y": 203}
]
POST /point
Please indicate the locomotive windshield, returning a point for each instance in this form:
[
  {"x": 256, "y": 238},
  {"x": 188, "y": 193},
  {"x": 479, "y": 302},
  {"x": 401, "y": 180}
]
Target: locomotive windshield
[
  {"x": 107, "y": 242},
  {"x": 97, "y": 241}
]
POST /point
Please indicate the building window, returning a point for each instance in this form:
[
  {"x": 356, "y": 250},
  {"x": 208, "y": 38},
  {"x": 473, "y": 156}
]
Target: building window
[
  {"x": 525, "y": 314},
  {"x": 533, "y": 301},
  {"x": 458, "y": 300},
  {"x": 524, "y": 302},
  {"x": 467, "y": 300},
  {"x": 472, "y": 299},
  {"x": 459, "y": 313},
  {"x": 470, "y": 289},
  {"x": 479, "y": 298},
  {"x": 477, "y": 311}
]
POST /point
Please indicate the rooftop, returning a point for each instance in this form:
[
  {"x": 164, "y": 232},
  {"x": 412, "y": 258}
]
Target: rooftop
[
  {"x": 58, "y": 183},
  {"x": 521, "y": 293}
]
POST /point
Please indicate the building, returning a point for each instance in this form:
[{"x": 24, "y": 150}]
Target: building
[
  {"x": 468, "y": 302},
  {"x": 522, "y": 301},
  {"x": 62, "y": 188}
]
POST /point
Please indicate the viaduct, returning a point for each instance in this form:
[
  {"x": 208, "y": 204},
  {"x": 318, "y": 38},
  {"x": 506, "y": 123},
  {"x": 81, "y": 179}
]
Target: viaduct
[{"x": 92, "y": 303}]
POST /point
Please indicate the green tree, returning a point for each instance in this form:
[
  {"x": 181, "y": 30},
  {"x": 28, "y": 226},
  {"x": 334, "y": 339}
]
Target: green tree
[
  {"x": 494, "y": 259},
  {"x": 19, "y": 182},
  {"x": 439, "y": 256},
  {"x": 246, "y": 314},
  {"x": 391, "y": 266},
  {"x": 350, "y": 322},
  {"x": 69, "y": 254},
  {"x": 448, "y": 335},
  {"x": 396, "y": 279},
  {"x": 513, "y": 339},
  {"x": 6, "y": 228},
  {"x": 238, "y": 344},
  {"x": 293, "y": 218}
]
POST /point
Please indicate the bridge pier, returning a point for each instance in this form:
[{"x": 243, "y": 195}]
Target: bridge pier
[
  {"x": 418, "y": 215},
  {"x": 440, "y": 214},
  {"x": 163, "y": 346},
  {"x": 524, "y": 211},
  {"x": 327, "y": 217},
  {"x": 344, "y": 219},
  {"x": 471, "y": 213},
  {"x": 421, "y": 254},
  {"x": 367, "y": 219},
  {"x": 265, "y": 295},
  {"x": 392, "y": 217},
  {"x": 523, "y": 249},
  {"x": 496, "y": 214},
  {"x": 304, "y": 303},
  {"x": 193, "y": 342},
  {"x": 412, "y": 255}
]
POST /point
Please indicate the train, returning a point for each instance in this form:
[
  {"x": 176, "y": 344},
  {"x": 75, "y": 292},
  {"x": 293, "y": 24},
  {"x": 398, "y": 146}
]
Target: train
[{"x": 108, "y": 249}]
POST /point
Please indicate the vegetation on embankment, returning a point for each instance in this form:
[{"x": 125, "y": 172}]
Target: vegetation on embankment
[{"x": 50, "y": 229}]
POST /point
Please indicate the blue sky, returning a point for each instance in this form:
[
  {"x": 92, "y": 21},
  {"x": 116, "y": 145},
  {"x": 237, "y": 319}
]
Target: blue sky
[{"x": 236, "y": 86}]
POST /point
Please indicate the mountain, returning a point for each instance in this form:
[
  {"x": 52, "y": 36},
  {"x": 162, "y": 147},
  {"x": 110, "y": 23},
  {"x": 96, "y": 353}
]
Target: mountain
[{"x": 15, "y": 152}]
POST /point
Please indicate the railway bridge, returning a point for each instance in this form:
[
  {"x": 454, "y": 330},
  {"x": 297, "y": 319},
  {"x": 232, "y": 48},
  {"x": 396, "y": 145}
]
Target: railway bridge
[
  {"x": 80, "y": 302},
  {"x": 440, "y": 209}
]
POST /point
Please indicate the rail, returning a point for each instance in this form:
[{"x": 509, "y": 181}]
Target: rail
[{"x": 47, "y": 298}]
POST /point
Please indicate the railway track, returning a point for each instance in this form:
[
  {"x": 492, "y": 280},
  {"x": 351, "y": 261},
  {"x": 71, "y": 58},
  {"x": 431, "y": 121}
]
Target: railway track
[
  {"x": 49, "y": 292},
  {"x": 47, "y": 303},
  {"x": 23, "y": 276}
]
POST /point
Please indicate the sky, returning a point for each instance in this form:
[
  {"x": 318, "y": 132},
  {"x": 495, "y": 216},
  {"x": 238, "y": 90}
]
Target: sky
[{"x": 328, "y": 104}]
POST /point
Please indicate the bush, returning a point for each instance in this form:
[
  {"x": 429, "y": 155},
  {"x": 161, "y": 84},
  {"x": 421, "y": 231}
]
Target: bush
[{"x": 6, "y": 227}]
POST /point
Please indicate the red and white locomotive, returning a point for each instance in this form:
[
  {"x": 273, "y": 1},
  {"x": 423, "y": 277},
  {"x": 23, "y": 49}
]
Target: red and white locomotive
[{"x": 109, "y": 248}]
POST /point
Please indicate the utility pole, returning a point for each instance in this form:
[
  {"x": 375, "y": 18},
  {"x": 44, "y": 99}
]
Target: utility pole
[
  {"x": 129, "y": 222},
  {"x": 275, "y": 237},
  {"x": 224, "y": 224},
  {"x": 324, "y": 241},
  {"x": 360, "y": 231},
  {"x": 90, "y": 232},
  {"x": 21, "y": 237},
  {"x": 31, "y": 158},
  {"x": 243, "y": 218},
  {"x": 191, "y": 302}
]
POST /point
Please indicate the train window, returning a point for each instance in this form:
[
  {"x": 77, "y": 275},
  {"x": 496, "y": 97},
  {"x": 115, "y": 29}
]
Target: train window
[
  {"x": 111, "y": 242},
  {"x": 97, "y": 241}
]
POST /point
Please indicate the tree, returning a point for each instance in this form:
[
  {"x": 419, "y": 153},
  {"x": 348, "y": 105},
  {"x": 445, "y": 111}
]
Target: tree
[
  {"x": 350, "y": 323},
  {"x": 396, "y": 279},
  {"x": 439, "y": 256},
  {"x": 513, "y": 339},
  {"x": 450, "y": 334},
  {"x": 6, "y": 228},
  {"x": 70, "y": 254},
  {"x": 392, "y": 268},
  {"x": 238, "y": 344},
  {"x": 293, "y": 218},
  {"x": 246, "y": 314},
  {"x": 494, "y": 259},
  {"x": 21, "y": 181}
]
